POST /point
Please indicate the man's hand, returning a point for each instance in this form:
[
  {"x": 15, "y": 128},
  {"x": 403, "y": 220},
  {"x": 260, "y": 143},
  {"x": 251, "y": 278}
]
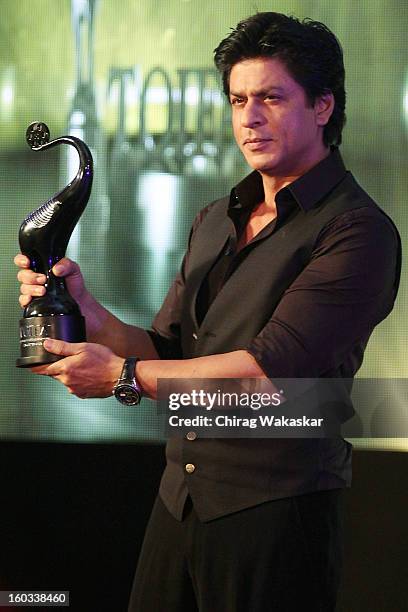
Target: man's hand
[
  {"x": 102, "y": 327},
  {"x": 32, "y": 284},
  {"x": 88, "y": 370}
]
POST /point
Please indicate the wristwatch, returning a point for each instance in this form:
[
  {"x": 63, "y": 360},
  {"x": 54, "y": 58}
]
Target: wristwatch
[{"x": 127, "y": 390}]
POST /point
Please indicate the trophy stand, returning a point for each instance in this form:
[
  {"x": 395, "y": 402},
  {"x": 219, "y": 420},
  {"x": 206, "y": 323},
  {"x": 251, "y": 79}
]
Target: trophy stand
[{"x": 44, "y": 235}]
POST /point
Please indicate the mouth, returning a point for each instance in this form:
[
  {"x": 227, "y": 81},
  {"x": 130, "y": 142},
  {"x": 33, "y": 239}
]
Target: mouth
[
  {"x": 256, "y": 140},
  {"x": 255, "y": 144}
]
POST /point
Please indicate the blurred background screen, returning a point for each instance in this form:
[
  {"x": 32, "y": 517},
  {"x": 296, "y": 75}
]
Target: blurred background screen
[{"x": 136, "y": 81}]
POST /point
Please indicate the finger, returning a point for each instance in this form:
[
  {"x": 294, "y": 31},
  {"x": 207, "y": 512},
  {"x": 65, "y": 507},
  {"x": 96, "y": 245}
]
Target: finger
[
  {"x": 65, "y": 267},
  {"x": 65, "y": 349},
  {"x": 43, "y": 370},
  {"x": 22, "y": 261},
  {"x": 24, "y": 300},
  {"x": 28, "y": 277},
  {"x": 32, "y": 290},
  {"x": 54, "y": 370}
]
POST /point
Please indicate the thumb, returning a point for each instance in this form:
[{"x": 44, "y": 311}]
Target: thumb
[
  {"x": 59, "y": 347},
  {"x": 66, "y": 267},
  {"x": 72, "y": 273}
]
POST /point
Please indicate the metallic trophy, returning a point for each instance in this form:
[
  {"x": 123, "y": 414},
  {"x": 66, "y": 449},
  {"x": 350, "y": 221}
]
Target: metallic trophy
[{"x": 43, "y": 237}]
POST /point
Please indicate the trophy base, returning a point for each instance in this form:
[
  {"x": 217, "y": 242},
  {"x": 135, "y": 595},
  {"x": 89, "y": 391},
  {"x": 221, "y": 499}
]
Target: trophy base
[{"x": 34, "y": 330}]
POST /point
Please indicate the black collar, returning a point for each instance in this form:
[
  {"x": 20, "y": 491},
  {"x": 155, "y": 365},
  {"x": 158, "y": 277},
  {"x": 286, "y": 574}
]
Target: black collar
[{"x": 307, "y": 190}]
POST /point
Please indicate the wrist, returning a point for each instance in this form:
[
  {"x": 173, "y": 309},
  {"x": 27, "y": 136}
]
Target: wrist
[
  {"x": 146, "y": 379},
  {"x": 96, "y": 317},
  {"x": 115, "y": 369}
]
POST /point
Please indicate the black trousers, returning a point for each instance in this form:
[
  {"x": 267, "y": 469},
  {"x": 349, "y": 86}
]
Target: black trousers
[{"x": 280, "y": 556}]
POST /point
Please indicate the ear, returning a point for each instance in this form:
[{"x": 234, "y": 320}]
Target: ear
[{"x": 324, "y": 106}]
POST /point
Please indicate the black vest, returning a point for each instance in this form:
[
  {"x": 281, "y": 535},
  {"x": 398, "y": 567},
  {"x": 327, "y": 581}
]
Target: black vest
[{"x": 232, "y": 474}]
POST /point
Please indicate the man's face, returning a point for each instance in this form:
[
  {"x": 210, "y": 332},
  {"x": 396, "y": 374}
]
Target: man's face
[{"x": 275, "y": 127}]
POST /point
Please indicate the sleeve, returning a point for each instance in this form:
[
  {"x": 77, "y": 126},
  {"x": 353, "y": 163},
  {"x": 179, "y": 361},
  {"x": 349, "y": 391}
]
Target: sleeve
[
  {"x": 165, "y": 331},
  {"x": 348, "y": 287}
]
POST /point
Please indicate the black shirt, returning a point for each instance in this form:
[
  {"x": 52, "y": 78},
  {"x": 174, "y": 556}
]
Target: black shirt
[{"x": 303, "y": 297}]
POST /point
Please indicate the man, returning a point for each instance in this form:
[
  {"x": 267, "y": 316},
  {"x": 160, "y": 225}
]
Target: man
[{"x": 286, "y": 278}]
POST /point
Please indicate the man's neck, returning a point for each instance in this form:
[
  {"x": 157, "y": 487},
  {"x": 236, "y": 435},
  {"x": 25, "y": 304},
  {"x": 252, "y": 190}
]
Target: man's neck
[{"x": 274, "y": 183}]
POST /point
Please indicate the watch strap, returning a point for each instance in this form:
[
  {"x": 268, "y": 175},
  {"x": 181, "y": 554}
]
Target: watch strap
[{"x": 128, "y": 371}]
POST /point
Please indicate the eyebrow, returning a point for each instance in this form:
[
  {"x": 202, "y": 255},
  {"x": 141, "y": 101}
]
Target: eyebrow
[{"x": 261, "y": 92}]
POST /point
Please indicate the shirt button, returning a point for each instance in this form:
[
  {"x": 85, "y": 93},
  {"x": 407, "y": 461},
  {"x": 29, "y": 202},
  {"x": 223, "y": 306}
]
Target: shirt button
[
  {"x": 190, "y": 467},
  {"x": 191, "y": 435},
  {"x": 195, "y": 336}
]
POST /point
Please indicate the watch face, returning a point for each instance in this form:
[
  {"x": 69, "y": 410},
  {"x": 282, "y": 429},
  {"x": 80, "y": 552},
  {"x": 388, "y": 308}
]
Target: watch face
[{"x": 127, "y": 394}]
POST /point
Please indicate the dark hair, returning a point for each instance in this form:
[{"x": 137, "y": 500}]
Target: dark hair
[{"x": 310, "y": 51}]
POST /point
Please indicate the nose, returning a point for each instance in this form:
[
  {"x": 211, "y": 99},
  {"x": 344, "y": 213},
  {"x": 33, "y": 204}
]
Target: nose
[{"x": 252, "y": 115}]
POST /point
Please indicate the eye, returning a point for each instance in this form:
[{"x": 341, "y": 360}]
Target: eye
[
  {"x": 272, "y": 97},
  {"x": 237, "y": 101}
]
